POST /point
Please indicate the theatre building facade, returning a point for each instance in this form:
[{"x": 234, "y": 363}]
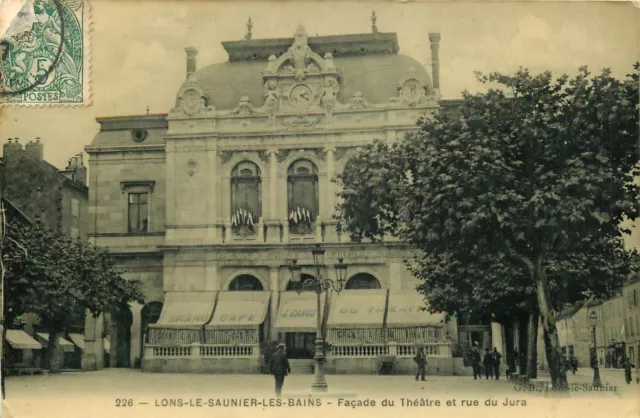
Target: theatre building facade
[{"x": 209, "y": 204}]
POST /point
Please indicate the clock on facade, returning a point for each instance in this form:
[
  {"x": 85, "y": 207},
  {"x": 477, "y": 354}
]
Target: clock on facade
[{"x": 301, "y": 95}]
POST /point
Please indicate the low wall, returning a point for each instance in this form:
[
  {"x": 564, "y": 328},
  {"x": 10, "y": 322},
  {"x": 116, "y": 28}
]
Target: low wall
[{"x": 202, "y": 365}]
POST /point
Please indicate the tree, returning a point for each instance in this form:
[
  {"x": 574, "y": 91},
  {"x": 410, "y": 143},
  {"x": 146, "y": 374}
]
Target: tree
[
  {"x": 516, "y": 203},
  {"x": 57, "y": 278}
]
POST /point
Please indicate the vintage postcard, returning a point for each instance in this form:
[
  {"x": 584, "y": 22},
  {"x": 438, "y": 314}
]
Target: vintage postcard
[
  {"x": 266, "y": 208},
  {"x": 45, "y": 53}
]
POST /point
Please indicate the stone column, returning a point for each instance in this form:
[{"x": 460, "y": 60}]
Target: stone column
[
  {"x": 214, "y": 231},
  {"x": 136, "y": 337},
  {"x": 92, "y": 356},
  {"x": 330, "y": 232},
  {"x": 274, "y": 285},
  {"x": 496, "y": 336},
  {"x": 170, "y": 200},
  {"x": 273, "y": 223}
]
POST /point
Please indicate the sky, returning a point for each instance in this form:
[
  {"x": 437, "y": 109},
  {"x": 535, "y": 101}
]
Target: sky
[{"x": 138, "y": 58}]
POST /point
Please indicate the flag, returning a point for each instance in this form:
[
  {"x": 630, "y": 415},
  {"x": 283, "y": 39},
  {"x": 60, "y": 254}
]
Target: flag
[
  {"x": 250, "y": 219},
  {"x": 233, "y": 220},
  {"x": 299, "y": 213},
  {"x": 622, "y": 331}
]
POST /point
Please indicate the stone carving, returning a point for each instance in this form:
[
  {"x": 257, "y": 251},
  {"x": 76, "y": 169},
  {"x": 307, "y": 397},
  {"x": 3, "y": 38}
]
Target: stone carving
[
  {"x": 300, "y": 52},
  {"x": 283, "y": 155},
  {"x": 328, "y": 99},
  {"x": 357, "y": 101},
  {"x": 244, "y": 107},
  {"x": 319, "y": 153},
  {"x": 192, "y": 167},
  {"x": 411, "y": 91},
  {"x": 272, "y": 100},
  {"x": 225, "y": 156},
  {"x": 264, "y": 156},
  {"x": 340, "y": 153},
  {"x": 191, "y": 99},
  {"x": 300, "y": 122}
]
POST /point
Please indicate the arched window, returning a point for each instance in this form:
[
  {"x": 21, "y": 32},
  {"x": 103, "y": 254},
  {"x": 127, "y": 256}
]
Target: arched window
[
  {"x": 303, "y": 197},
  {"x": 246, "y": 198},
  {"x": 303, "y": 278},
  {"x": 362, "y": 281},
  {"x": 245, "y": 282}
]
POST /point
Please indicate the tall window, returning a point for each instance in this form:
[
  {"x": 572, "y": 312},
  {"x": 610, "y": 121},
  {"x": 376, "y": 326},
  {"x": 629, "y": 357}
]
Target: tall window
[
  {"x": 246, "y": 198},
  {"x": 303, "y": 197},
  {"x": 75, "y": 208},
  {"x": 138, "y": 212}
]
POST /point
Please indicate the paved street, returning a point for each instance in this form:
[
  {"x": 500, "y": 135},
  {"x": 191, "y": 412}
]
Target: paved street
[{"x": 98, "y": 394}]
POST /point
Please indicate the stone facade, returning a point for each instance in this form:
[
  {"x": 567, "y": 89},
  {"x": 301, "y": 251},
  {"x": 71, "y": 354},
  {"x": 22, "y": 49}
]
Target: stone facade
[{"x": 221, "y": 174}]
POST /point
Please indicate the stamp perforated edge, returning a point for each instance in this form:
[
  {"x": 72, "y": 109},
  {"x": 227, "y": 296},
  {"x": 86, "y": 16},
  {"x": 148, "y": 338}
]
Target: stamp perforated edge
[{"x": 87, "y": 91}]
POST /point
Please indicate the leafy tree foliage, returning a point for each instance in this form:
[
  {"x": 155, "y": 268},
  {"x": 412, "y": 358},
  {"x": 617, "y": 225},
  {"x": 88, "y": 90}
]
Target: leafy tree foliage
[
  {"x": 517, "y": 203},
  {"x": 58, "y": 278}
]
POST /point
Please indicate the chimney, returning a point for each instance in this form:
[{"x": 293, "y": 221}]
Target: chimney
[
  {"x": 76, "y": 169},
  {"x": 192, "y": 53},
  {"x": 35, "y": 149},
  {"x": 10, "y": 147},
  {"x": 435, "y": 61}
]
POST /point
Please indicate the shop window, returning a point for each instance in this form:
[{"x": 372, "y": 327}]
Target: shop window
[
  {"x": 246, "y": 198},
  {"x": 245, "y": 282},
  {"x": 362, "y": 281},
  {"x": 303, "y": 197}
]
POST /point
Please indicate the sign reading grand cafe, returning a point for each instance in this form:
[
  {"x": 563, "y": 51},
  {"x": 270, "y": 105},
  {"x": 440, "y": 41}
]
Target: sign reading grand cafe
[{"x": 209, "y": 204}]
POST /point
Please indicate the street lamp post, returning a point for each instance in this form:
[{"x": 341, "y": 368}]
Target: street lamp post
[
  {"x": 593, "y": 321},
  {"x": 319, "y": 285}
]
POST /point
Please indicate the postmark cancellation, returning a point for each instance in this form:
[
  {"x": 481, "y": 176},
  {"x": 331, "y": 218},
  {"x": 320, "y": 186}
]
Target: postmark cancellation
[{"x": 45, "y": 55}]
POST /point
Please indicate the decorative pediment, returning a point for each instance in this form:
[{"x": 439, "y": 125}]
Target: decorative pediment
[
  {"x": 411, "y": 90},
  {"x": 300, "y": 60},
  {"x": 192, "y": 99},
  {"x": 244, "y": 107}
]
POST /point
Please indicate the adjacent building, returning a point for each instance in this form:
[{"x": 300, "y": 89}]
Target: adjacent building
[{"x": 59, "y": 199}]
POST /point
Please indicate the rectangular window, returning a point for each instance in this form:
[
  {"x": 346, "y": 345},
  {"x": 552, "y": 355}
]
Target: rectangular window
[
  {"x": 75, "y": 208},
  {"x": 138, "y": 212}
]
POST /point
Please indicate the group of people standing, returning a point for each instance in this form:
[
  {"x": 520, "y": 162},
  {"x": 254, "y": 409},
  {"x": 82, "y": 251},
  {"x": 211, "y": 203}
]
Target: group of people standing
[{"x": 490, "y": 362}]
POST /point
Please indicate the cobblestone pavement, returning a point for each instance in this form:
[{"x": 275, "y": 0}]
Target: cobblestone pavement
[{"x": 130, "y": 393}]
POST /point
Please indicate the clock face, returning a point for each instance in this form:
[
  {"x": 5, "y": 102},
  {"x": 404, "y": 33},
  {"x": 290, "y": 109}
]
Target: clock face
[{"x": 301, "y": 95}]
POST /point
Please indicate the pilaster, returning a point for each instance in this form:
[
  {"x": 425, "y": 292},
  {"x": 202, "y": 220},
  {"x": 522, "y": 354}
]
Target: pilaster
[{"x": 274, "y": 285}]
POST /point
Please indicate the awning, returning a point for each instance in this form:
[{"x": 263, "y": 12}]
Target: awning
[
  {"x": 240, "y": 309},
  {"x": 357, "y": 309},
  {"x": 67, "y": 346},
  {"x": 20, "y": 340},
  {"x": 78, "y": 339},
  {"x": 107, "y": 346},
  {"x": 297, "y": 312},
  {"x": 186, "y": 309},
  {"x": 408, "y": 309}
]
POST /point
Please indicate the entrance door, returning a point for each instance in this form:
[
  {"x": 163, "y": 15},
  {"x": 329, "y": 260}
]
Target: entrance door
[{"x": 300, "y": 345}]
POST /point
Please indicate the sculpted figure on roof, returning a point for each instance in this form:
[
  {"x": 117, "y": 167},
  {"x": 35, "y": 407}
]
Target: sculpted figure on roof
[{"x": 300, "y": 50}]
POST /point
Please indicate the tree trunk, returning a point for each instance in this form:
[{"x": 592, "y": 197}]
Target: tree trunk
[
  {"x": 532, "y": 346},
  {"x": 552, "y": 343},
  {"x": 54, "y": 356}
]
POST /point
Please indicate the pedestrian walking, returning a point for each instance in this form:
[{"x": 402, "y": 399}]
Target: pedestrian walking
[
  {"x": 280, "y": 367},
  {"x": 573, "y": 362},
  {"x": 475, "y": 362},
  {"x": 487, "y": 362},
  {"x": 627, "y": 365},
  {"x": 421, "y": 361},
  {"x": 496, "y": 363}
]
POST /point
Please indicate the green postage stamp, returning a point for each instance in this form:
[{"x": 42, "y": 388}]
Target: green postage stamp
[{"x": 45, "y": 54}]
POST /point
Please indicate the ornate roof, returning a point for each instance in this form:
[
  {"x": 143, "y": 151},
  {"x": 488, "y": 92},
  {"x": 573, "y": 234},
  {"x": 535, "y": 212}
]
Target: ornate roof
[{"x": 292, "y": 74}]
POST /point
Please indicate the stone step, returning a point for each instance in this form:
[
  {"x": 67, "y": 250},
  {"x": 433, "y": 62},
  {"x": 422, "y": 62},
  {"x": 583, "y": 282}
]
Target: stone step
[{"x": 301, "y": 366}]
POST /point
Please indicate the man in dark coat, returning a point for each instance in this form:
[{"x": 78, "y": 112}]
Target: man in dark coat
[
  {"x": 487, "y": 362},
  {"x": 627, "y": 365},
  {"x": 496, "y": 362},
  {"x": 421, "y": 361},
  {"x": 279, "y": 367},
  {"x": 475, "y": 362}
]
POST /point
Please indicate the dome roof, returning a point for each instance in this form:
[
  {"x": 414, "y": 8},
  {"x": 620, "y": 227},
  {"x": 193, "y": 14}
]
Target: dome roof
[{"x": 376, "y": 76}]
